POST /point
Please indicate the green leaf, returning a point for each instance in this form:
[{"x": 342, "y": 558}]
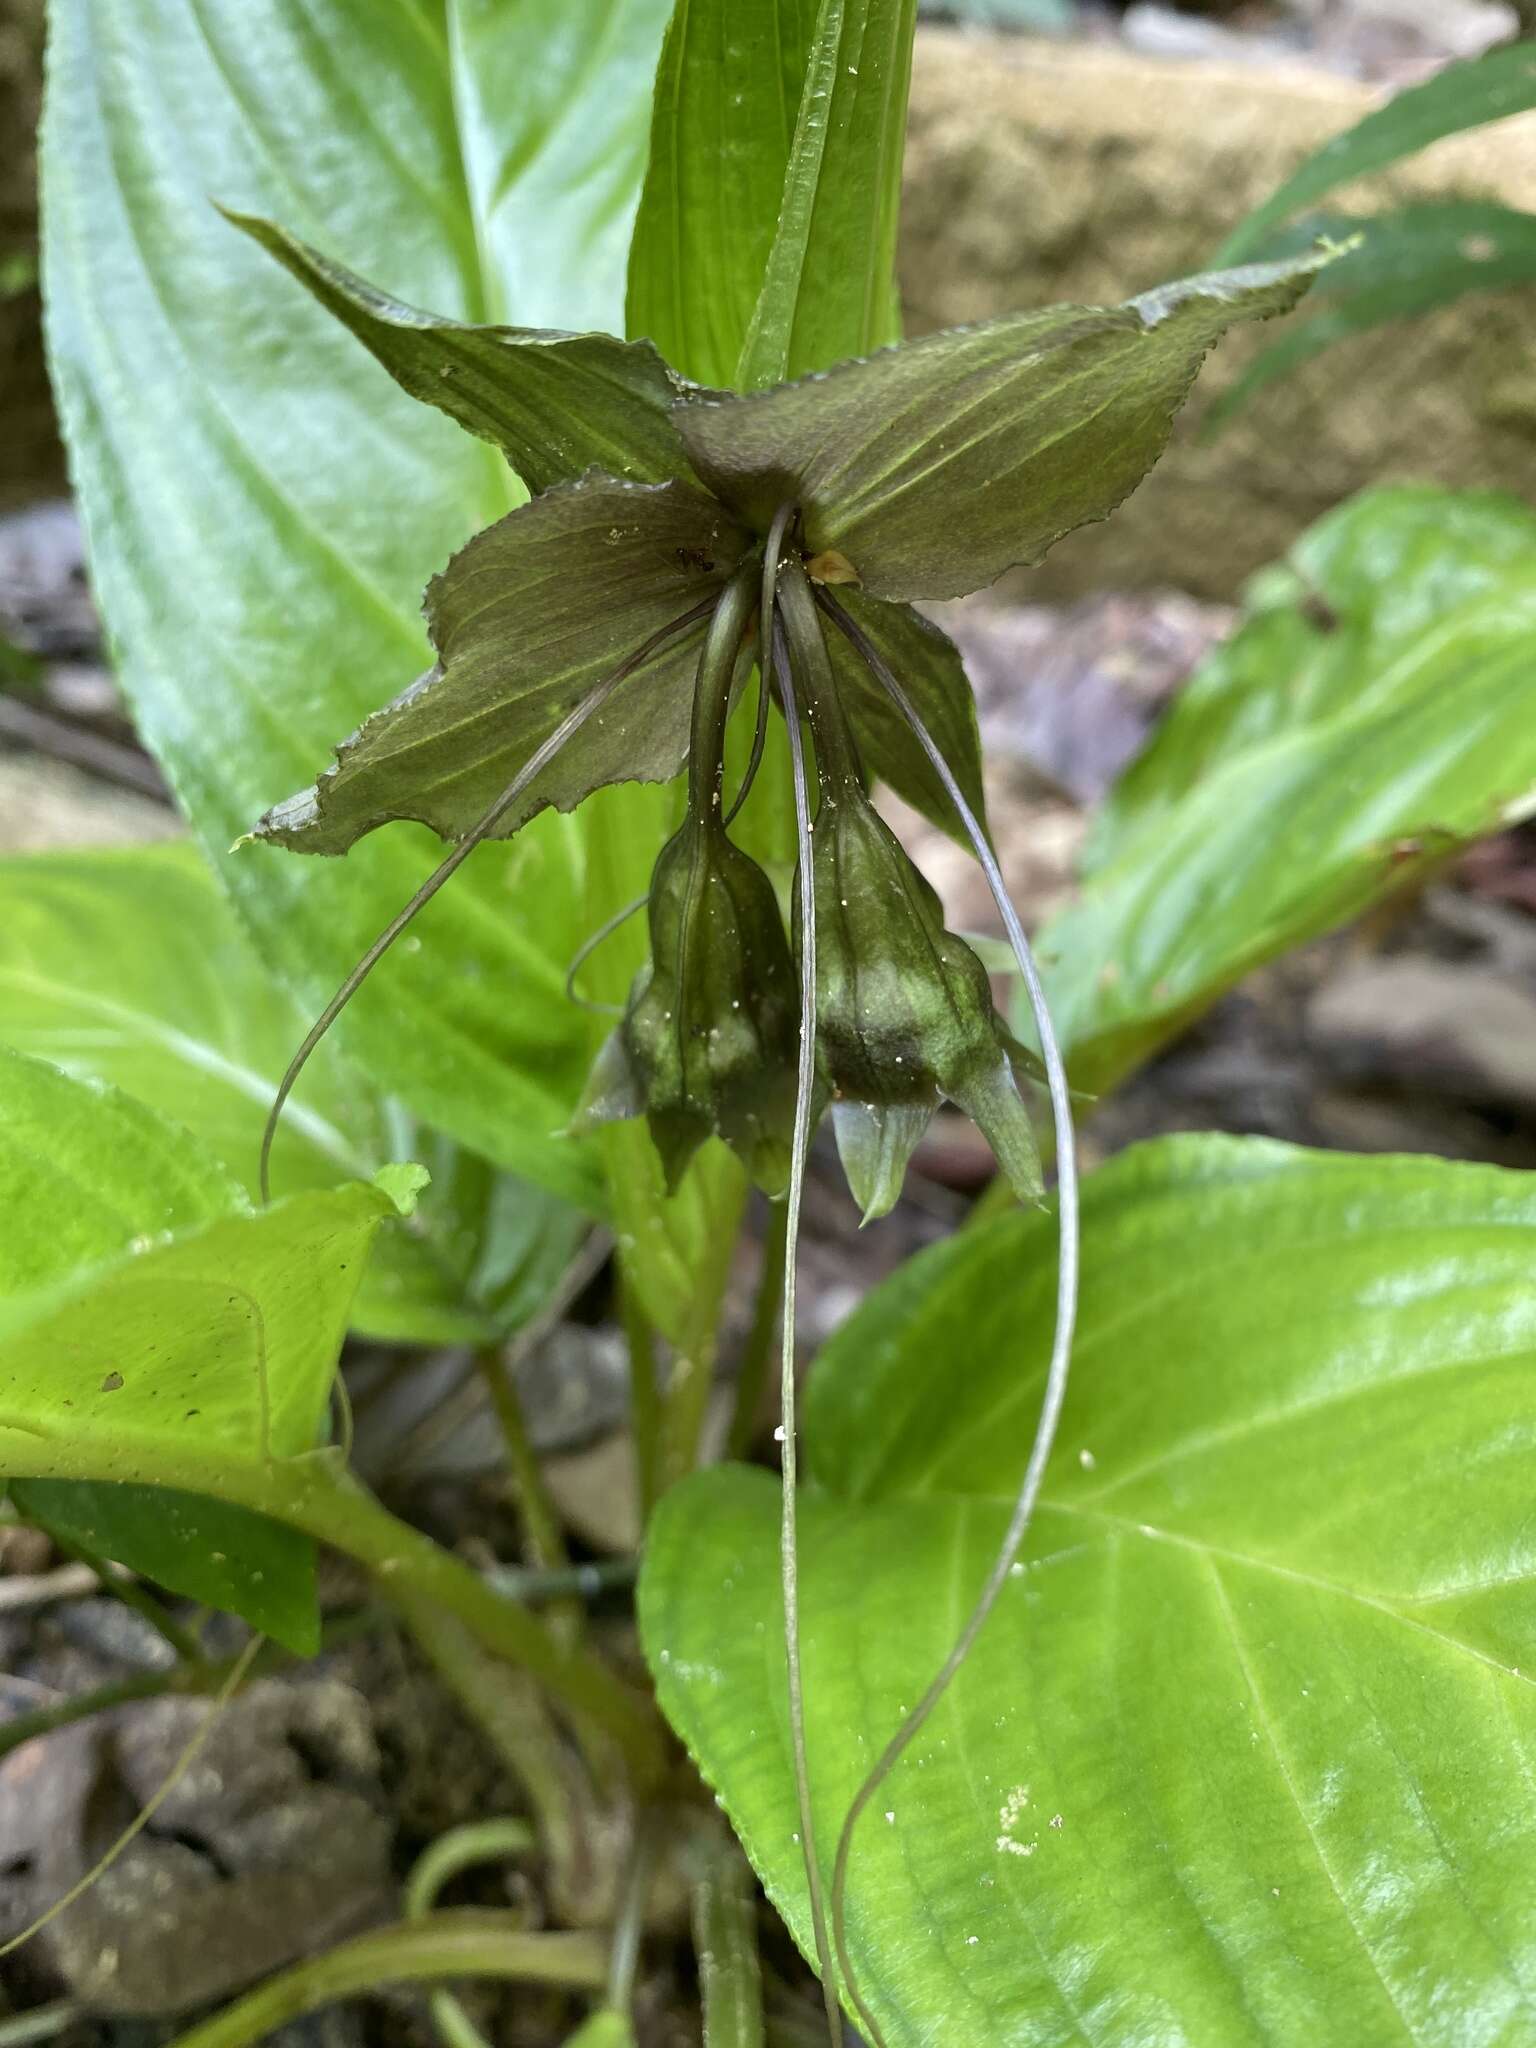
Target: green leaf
[
  {"x": 1413, "y": 260},
  {"x": 526, "y": 619},
  {"x": 1240, "y": 1756},
  {"x": 556, "y": 405},
  {"x": 1373, "y": 714},
  {"x": 143, "y": 1310},
  {"x": 264, "y": 507},
  {"x": 722, "y": 124},
  {"x": 207, "y": 1550},
  {"x": 1487, "y": 88},
  {"x": 829, "y": 289},
  {"x": 127, "y": 965},
  {"x": 934, "y": 467}
]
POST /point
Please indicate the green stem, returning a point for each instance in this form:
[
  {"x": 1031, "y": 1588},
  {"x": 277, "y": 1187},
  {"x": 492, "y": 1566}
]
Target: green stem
[
  {"x": 313, "y": 1495},
  {"x": 442, "y": 1946},
  {"x": 541, "y": 1524},
  {"x": 629, "y": 1924},
  {"x": 462, "y": 1848},
  {"x": 692, "y": 1379},
  {"x": 509, "y": 1711},
  {"x": 725, "y": 1940},
  {"x": 645, "y": 1410},
  {"x": 757, "y": 1353}
]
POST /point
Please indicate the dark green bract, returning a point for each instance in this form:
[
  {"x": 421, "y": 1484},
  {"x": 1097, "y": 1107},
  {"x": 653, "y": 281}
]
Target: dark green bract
[{"x": 572, "y": 653}]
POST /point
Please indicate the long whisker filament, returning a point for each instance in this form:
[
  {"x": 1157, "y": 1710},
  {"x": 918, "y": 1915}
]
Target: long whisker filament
[
  {"x": 1066, "y": 1297},
  {"x": 482, "y": 829}
]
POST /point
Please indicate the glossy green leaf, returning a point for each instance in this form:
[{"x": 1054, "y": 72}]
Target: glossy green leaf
[
  {"x": 829, "y": 290},
  {"x": 1413, "y": 260},
  {"x": 526, "y": 619},
  {"x": 934, "y": 467},
  {"x": 1376, "y": 711},
  {"x": 722, "y": 124},
  {"x": 264, "y": 507},
  {"x": 1469, "y": 95},
  {"x": 1242, "y": 1754},
  {"x": 145, "y": 1308},
  {"x": 127, "y": 965},
  {"x": 556, "y": 405}
]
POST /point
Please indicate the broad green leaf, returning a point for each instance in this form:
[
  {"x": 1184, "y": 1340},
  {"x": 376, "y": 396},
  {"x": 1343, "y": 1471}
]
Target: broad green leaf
[
  {"x": 264, "y": 507},
  {"x": 143, "y": 1309},
  {"x": 1376, "y": 711},
  {"x": 1242, "y": 1754},
  {"x": 89, "y": 1172},
  {"x": 1469, "y": 95},
  {"x": 127, "y": 965},
  {"x": 722, "y": 124},
  {"x": 1413, "y": 260},
  {"x": 829, "y": 290},
  {"x": 934, "y": 467},
  {"x": 527, "y": 618},
  {"x": 556, "y": 405}
]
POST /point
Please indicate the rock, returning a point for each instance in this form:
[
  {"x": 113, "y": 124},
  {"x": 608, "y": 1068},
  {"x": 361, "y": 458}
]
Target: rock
[
  {"x": 248, "y": 1863},
  {"x": 1437, "y": 1026},
  {"x": 45, "y": 804},
  {"x": 1039, "y": 171}
]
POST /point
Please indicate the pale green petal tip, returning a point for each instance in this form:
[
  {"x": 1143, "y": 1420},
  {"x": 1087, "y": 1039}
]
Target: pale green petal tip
[
  {"x": 875, "y": 1141},
  {"x": 994, "y": 1105},
  {"x": 612, "y": 1092}
]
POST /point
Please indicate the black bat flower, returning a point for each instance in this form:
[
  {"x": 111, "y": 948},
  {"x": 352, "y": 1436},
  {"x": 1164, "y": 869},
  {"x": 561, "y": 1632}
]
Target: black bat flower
[{"x": 595, "y": 635}]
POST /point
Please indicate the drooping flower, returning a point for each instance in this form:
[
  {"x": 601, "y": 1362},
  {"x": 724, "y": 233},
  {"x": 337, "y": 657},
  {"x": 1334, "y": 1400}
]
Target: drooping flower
[{"x": 591, "y": 635}]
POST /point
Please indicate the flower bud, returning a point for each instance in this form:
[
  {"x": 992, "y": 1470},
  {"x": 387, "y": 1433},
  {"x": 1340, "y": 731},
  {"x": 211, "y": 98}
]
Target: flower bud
[
  {"x": 904, "y": 1012},
  {"x": 708, "y": 1041}
]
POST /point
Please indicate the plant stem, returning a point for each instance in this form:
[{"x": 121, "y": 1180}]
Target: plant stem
[
  {"x": 572, "y": 1582},
  {"x": 509, "y": 1710},
  {"x": 441, "y": 1946},
  {"x": 725, "y": 1940},
  {"x": 757, "y": 1353},
  {"x": 691, "y": 1383},
  {"x": 789, "y": 1553},
  {"x": 315, "y": 1495},
  {"x": 541, "y": 1524},
  {"x": 1059, "y": 1365},
  {"x": 629, "y": 1924},
  {"x": 483, "y": 1841},
  {"x": 645, "y": 1414}
]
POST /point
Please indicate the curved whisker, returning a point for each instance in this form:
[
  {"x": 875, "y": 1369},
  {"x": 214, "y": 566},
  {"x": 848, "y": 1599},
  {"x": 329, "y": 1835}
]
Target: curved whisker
[
  {"x": 1066, "y": 1295},
  {"x": 483, "y": 827},
  {"x": 789, "y": 1560},
  {"x": 589, "y": 946}
]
